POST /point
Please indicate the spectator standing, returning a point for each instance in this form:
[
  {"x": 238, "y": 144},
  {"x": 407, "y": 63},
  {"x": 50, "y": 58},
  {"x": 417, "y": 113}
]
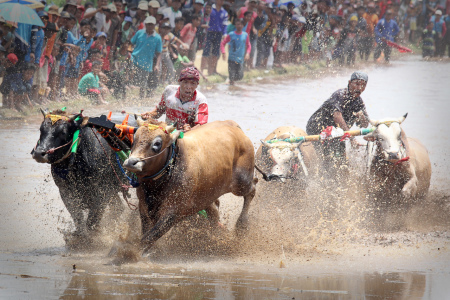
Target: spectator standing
[
  {"x": 70, "y": 39},
  {"x": 217, "y": 28},
  {"x": 251, "y": 31},
  {"x": 196, "y": 9},
  {"x": 153, "y": 7},
  {"x": 238, "y": 51},
  {"x": 372, "y": 21},
  {"x": 126, "y": 29},
  {"x": 147, "y": 44},
  {"x": 440, "y": 28},
  {"x": 72, "y": 8},
  {"x": 112, "y": 26},
  {"x": 188, "y": 34},
  {"x": 446, "y": 42},
  {"x": 428, "y": 40},
  {"x": 386, "y": 30},
  {"x": 97, "y": 15},
  {"x": 346, "y": 46},
  {"x": 11, "y": 70},
  {"x": 80, "y": 50},
  {"x": 173, "y": 12},
  {"x": 188, "y": 15}
]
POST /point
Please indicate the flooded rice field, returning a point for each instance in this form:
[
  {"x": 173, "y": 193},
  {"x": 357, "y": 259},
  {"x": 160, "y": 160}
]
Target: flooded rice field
[{"x": 320, "y": 240}]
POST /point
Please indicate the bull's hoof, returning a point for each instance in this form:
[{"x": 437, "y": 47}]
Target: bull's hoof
[
  {"x": 242, "y": 226},
  {"x": 146, "y": 250}
]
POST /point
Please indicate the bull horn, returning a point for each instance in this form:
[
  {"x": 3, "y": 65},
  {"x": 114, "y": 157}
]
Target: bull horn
[
  {"x": 266, "y": 144},
  {"x": 43, "y": 112},
  {"x": 171, "y": 128},
  {"x": 374, "y": 122},
  {"x": 402, "y": 118},
  {"x": 139, "y": 121},
  {"x": 72, "y": 118}
]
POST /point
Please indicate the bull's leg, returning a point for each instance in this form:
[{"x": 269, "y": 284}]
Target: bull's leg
[
  {"x": 410, "y": 188},
  {"x": 242, "y": 222},
  {"x": 213, "y": 213},
  {"x": 73, "y": 206},
  {"x": 164, "y": 224},
  {"x": 95, "y": 215}
]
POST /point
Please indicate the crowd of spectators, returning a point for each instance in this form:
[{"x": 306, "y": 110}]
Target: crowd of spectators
[{"x": 95, "y": 49}]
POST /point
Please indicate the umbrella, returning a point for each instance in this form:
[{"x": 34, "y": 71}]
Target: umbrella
[
  {"x": 30, "y": 3},
  {"x": 19, "y": 13}
]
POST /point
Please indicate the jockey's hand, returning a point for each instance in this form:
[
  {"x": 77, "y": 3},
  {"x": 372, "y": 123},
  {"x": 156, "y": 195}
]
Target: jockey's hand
[
  {"x": 186, "y": 127},
  {"x": 145, "y": 116}
]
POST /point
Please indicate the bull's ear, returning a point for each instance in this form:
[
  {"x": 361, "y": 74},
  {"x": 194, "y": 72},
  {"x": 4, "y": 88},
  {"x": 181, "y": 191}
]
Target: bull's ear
[
  {"x": 266, "y": 144},
  {"x": 174, "y": 136},
  {"x": 84, "y": 121}
]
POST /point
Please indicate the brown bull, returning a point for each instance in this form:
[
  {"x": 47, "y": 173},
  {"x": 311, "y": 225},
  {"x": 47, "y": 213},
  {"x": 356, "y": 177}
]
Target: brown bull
[
  {"x": 282, "y": 160},
  {"x": 180, "y": 177},
  {"x": 401, "y": 165}
]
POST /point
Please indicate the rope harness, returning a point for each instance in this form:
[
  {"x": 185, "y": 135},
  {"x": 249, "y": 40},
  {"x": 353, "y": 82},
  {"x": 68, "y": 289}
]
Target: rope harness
[{"x": 123, "y": 186}]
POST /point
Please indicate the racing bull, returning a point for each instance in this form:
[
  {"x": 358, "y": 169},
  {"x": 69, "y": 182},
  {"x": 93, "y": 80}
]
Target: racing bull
[
  {"x": 85, "y": 178},
  {"x": 284, "y": 160},
  {"x": 399, "y": 166},
  {"x": 180, "y": 177}
]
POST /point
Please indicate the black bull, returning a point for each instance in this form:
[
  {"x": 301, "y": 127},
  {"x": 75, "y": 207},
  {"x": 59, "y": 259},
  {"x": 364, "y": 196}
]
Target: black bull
[{"x": 85, "y": 179}]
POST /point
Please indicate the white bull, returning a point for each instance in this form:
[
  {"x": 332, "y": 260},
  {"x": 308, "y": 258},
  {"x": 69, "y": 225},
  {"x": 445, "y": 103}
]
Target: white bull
[
  {"x": 284, "y": 160},
  {"x": 399, "y": 165}
]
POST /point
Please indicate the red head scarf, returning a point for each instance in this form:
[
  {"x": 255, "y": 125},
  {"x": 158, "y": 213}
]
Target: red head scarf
[{"x": 190, "y": 73}]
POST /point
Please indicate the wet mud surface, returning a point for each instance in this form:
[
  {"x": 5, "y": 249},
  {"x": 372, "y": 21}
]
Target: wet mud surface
[{"x": 325, "y": 240}]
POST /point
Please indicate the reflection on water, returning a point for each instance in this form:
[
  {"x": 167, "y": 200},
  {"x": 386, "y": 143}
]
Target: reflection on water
[{"x": 130, "y": 282}]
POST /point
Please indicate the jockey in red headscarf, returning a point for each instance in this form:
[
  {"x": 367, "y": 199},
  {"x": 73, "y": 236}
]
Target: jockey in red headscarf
[{"x": 182, "y": 103}]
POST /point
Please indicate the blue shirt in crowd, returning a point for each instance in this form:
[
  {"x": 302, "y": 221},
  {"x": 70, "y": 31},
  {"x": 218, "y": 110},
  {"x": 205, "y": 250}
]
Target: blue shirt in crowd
[
  {"x": 218, "y": 20},
  {"x": 438, "y": 26},
  {"x": 386, "y": 30},
  {"x": 236, "y": 46},
  {"x": 37, "y": 43},
  {"x": 145, "y": 48},
  {"x": 85, "y": 46},
  {"x": 70, "y": 40}
]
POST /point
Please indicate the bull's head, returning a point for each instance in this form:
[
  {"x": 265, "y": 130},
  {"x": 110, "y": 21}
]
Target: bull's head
[
  {"x": 150, "y": 148},
  {"x": 283, "y": 156},
  {"x": 388, "y": 137},
  {"x": 57, "y": 132}
]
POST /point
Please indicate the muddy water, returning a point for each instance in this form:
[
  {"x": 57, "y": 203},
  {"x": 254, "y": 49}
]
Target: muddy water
[{"x": 324, "y": 237}]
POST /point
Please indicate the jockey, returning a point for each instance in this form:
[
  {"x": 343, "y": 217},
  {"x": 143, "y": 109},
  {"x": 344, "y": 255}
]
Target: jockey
[{"x": 182, "y": 103}]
